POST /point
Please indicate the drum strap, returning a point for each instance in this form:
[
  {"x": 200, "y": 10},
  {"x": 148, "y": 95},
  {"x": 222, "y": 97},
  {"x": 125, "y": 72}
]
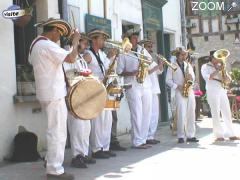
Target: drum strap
[{"x": 100, "y": 63}]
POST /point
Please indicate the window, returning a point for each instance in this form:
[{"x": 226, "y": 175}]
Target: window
[{"x": 23, "y": 37}]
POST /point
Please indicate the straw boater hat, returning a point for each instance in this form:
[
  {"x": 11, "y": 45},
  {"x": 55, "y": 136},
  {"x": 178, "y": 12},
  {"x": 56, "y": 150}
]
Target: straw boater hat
[
  {"x": 133, "y": 31},
  {"x": 84, "y": 37},
  {"x": 98, "y": 32},
  {"x": 178, "y": 50},
  {"x": 145, "y": 41},
  {"x": 63, "y": 26}
]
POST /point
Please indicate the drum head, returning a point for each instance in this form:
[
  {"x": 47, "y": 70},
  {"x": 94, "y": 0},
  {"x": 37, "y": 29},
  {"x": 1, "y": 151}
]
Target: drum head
[{"x": 87, "y": 99}]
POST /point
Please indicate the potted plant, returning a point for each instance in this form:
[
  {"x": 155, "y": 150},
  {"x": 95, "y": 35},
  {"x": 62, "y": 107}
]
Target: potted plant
[
  {"x": 25, "y": 80},
  {"x": 235, "y": 85}
]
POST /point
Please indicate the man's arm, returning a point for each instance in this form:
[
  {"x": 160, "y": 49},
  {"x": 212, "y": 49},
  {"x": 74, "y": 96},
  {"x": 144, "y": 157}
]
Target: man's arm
[{"x": 71, "y": 57}]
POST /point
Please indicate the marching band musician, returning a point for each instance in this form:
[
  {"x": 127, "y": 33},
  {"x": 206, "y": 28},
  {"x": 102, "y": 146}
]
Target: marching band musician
[
  {"x": 79, "y": 130},
  {"x": 139, "y": 97},
  {"x": 185, "y": 105},
  {"x": 47, "y": 58},
  {"x": 101, "y": 126},
  {"x": 156, "y": 68},
  {"x": 217, "y": 99}
]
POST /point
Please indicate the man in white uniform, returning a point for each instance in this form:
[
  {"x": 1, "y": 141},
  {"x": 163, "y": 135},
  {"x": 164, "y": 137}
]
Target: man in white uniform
[
  {"x": 139, "y": 97},
  {"x": 156, "y": 68},
  {"x": 47, "y": 58},
  {"x": 218, "y": 100},
  {"x": 101, "y": 126},
  {"x": 185, "y": 105},
  {"x": 79, "y": 130}
]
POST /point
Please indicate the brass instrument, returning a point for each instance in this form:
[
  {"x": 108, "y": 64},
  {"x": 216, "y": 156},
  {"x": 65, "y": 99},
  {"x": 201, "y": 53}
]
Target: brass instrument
[
  {"x": 142, "y": 68},
  {"x": 162, "y": 58},
  {"x": 124, "y": 47},
  {"x": 187, "y": 82},
  {"x": 223, "y": 54}
]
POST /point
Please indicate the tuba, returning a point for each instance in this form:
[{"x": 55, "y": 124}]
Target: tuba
[{"x": 222, "y": 54}]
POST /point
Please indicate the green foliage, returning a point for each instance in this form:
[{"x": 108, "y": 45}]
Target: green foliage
[{"x": 235, "y": 74}]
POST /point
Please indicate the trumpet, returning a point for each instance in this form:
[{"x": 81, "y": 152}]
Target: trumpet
[
  {"x": 125, "y": 47},
  {"x": 164, "y": 60}
]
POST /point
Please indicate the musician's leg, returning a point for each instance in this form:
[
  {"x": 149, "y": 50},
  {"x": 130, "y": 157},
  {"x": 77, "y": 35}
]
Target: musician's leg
[
  {"x": 181, "y": 114},
  {"x": 190, "y": 124},
  {"x": 114, "y": 127},
  {"x": 135, "y": 106},
  {"x": 56, "y": 135},
  {"x": 214, "y": 103},
  {"x": 154, "y": 117},
  {"x": 97, "y": 126},
  {"x": 107, "y": 130},
  {"x": 146, "y": 112},
  {"x": 226, "y": 114}
]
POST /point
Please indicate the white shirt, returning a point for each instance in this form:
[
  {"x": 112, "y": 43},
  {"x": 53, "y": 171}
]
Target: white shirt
[
  {"x": 130, "y": 64},
  {"x": 175, "y": 79},
  {"x": 155, "y": 87},
  {"x": 79, "y": 65},
  {"x": 206, "y": 70},
  {"x": 47, "y": 58},
  {"x": 94, "y": 66}
]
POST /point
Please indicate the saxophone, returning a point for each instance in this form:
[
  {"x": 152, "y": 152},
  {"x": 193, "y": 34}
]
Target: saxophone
[
  {"x": 142, "y": 68},
  {"x": 187, "y": 83}
]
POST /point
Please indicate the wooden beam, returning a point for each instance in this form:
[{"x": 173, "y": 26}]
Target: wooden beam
[
  {"x": 105, "y": 8},
  {"x": 210, "y": 25},
  {"x": 89, "y": 6},
  {"x": 212, "y": 33}
]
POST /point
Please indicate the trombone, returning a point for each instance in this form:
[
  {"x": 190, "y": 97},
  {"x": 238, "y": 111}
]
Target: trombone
[
  {"x": 164, "y": 60},
  {"x": 125, "y": 48}
]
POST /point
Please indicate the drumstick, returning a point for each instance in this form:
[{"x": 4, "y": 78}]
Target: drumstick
[{"x": 74, "y": 23}]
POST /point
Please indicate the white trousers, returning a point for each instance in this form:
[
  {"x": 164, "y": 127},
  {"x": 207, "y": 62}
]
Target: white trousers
[
  {"x": 219, "y": 103},
  {"x": 185, "y": 108},
  {"x": 79, "y": 131},
  {"x": 56, "y": 135},
  {"x": 101, "y": 131},
  {"x": 154, "y": 117},
  {"x": 140, "y": 105}
]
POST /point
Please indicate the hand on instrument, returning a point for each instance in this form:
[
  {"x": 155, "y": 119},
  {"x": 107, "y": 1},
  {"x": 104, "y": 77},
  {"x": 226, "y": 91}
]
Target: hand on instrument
[
  {"x": 87, "y": 57},
  {"x": 112, "y": 53},
  {"x": 160, "y": 65},
  {"x": 180, "y": 88},
  {"x": 189, "y": 77}
]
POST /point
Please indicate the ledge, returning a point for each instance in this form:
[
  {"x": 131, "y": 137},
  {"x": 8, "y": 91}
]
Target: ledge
[{"x": 24, "y": 99}]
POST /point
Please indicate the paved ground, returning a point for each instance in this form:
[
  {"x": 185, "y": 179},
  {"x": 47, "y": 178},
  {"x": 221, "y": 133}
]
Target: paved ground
[{"x": 166, "y": 161}]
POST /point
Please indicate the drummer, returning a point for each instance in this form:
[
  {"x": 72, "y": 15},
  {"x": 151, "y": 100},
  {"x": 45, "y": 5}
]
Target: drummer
[
  {"x": 79, "y": 129},
  {"x": 101, "y": 126}
]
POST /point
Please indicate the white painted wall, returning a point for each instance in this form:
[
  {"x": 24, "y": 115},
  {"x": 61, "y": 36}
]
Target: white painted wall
[
  {"x": 13, "y": 115},
  {"x": 172, "y": 20}
]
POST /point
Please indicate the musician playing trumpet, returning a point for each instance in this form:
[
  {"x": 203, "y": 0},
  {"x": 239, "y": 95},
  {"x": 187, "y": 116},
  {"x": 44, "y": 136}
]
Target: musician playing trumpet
[
  {"x": 185, "y": 103},
  {"x": 155, "y": 69},
  {"x": 217, "y": 98},
  {"x": 139, "y": 97}
]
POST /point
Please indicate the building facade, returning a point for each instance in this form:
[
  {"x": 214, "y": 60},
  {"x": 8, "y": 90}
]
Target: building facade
[{"x": 19, "y": 106}]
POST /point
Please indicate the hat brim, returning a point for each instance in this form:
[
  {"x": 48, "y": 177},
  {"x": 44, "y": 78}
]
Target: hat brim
[
  {"x": 63, "y": 26},
  {"x": 145, "y": 42},
  {"x": 97, "y": 33}
]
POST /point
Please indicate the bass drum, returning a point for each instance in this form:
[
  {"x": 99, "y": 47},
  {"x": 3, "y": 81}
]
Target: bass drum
[{"x": 86, "y": 99}]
